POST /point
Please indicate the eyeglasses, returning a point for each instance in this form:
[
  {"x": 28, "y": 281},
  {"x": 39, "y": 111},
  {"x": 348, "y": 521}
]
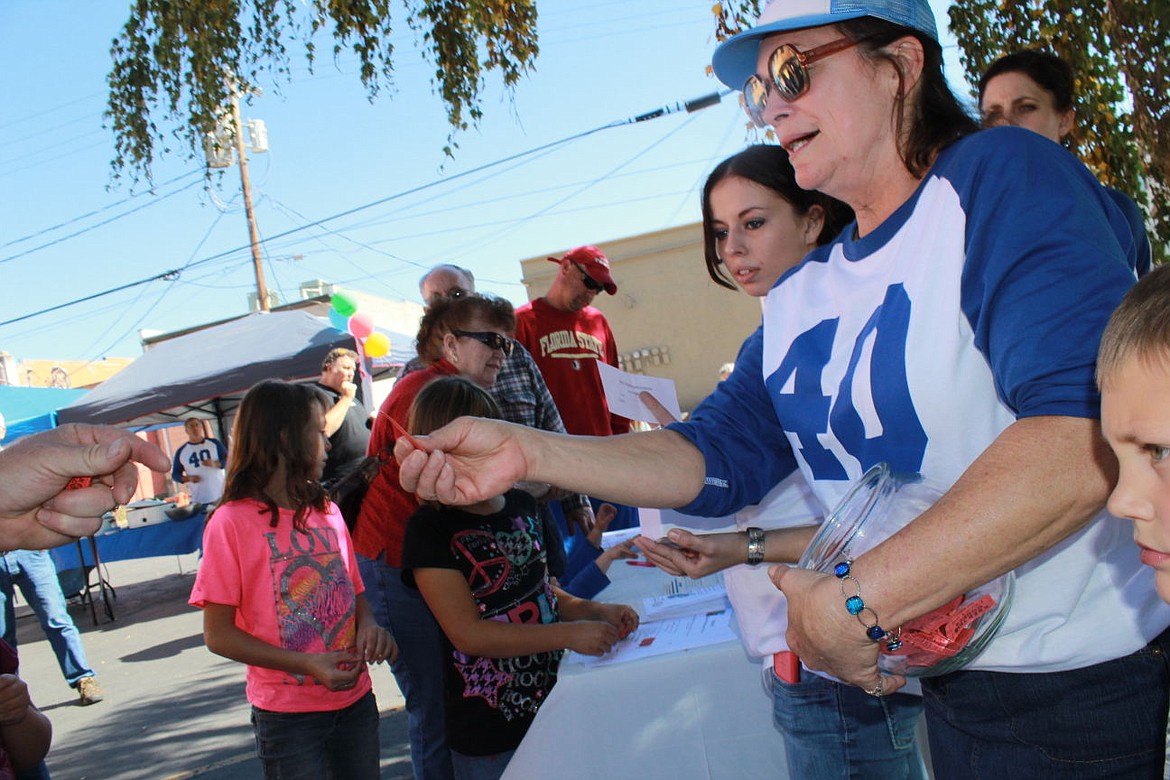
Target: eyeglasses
[
  {"x": 591, "y": 284},
  {"x": 788, "y": 72},
  {"x": 488, "y": 339}
]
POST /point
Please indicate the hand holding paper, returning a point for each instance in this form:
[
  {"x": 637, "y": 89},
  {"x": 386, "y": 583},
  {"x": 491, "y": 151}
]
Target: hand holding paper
[{"x": 623, "y": 394}]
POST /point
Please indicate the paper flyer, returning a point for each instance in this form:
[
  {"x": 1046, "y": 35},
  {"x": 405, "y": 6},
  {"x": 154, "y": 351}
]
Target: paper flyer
[
  {"x": 665, "y": 636},
  {"x": 685, "y": 602},
  {"x": 621, "y": 393}
]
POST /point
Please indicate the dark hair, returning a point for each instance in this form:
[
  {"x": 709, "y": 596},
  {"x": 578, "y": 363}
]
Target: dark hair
[
  {"x": 1053, "y": 74},
  {"x": 335, "y": 354},
  {"x": 456, "y": 313},
  {"x": 1139, "y": 327},
  {"x": 768, "y": 166},
  {"x": 273, "y": 436},
  {"x": 447, "y": 398},
  {"x": 938, "y": 119}
]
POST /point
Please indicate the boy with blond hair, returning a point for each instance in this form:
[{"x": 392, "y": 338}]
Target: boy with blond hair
[{"x": 1133, "y": 373}]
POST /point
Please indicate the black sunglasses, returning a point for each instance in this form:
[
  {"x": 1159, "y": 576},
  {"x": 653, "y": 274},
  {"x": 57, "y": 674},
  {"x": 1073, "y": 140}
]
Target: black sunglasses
[
  {"x": 591, "y": 284},
  {"x": 488, "y": 339}
]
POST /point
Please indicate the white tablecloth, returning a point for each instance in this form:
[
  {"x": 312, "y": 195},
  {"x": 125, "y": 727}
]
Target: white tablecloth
[{"x": 698, "y": 714}]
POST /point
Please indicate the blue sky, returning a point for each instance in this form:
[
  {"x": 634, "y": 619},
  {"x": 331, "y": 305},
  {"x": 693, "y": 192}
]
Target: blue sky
[{"x": 67, "y": 234}]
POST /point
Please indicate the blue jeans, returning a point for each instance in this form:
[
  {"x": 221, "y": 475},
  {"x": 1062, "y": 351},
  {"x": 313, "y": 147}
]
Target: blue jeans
[
  {"x": 834, "y": 731},
  {"x": 337, "y": 744},
  {"x": 481, "y": 767},
  {"x": 34, "y": 572},
  {"x": 1103, "y": 721},
  {"x": 419, "y": 668},
  {"x": 38, "y": 772}
]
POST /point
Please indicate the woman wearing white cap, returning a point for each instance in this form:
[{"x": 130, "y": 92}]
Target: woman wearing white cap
[{"x": 952, "y": 331}]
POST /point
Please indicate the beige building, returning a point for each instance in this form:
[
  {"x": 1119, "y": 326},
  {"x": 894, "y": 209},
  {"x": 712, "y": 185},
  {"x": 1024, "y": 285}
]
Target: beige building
[
  {"x": 668, "y": 317},
  {"x": 59, "y": 373}
]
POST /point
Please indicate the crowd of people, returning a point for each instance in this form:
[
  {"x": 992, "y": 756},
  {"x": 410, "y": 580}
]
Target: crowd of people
[
  {"x": 951, "y": 296},
  {"x": 950, "y": 330}
]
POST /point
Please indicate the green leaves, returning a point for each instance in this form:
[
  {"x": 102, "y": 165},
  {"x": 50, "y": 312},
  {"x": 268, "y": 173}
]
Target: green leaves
[
  {"x": 176, "y": 61},
  {"x": 1119, "y": 51},
  {"x": 734, "y": 16}
]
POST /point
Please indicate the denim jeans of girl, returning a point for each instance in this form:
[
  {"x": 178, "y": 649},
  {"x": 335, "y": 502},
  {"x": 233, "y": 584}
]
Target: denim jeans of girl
[
  {"x": 419, "y": 668},
  {"x": 316, "y": 745}
]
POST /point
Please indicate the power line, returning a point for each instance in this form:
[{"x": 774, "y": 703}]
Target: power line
[
  {"x": 706, "y": 169},
  {"x": 142, "y": 317},
  {"x": 403, "y": 215},
  {"x": 87, "y": 215},
  {"x": 75, "y": 150},
  {"x": 367, "y": 274},
  {"x": 514, "y": 224},
  {"x": 54, "y": 109},
  {"x": 410, "y": 212},
  {"x": 689, "y": 106},
  {"x": 41, "y": 132},
  {"x": 98, "y": 225},
  {"x": 170, "y": 275}
]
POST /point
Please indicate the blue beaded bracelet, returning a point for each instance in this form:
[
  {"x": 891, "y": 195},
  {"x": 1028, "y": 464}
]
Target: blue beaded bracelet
[{"x": 856, "y": 607}]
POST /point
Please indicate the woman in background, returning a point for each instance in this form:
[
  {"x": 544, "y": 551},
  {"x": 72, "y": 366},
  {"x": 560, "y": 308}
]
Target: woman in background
[{"x": 1035, "y": 90}]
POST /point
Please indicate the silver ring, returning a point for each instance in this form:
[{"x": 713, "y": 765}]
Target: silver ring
[{"x": 878, "y": 690}]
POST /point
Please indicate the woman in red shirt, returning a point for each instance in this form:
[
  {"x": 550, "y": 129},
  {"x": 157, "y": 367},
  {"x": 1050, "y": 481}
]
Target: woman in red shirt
[{"x": 466, "y": 335}]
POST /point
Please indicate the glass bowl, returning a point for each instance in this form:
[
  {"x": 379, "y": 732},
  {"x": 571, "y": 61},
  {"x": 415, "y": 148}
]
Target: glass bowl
[{"x": 875, "y": 508}]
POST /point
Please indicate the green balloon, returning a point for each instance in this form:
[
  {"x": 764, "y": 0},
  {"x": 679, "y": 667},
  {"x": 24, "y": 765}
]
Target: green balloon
[{"x": 343, "y": 304}]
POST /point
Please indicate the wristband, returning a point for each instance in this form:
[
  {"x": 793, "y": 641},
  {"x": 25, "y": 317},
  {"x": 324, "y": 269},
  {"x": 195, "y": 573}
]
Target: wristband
[
  {"x": 755, "y": 545},
  {"x": 856, "y": 607}
]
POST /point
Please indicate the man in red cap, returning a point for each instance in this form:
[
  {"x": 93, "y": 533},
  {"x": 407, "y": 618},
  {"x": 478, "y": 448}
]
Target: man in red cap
[{"x": 567, "y": 337}]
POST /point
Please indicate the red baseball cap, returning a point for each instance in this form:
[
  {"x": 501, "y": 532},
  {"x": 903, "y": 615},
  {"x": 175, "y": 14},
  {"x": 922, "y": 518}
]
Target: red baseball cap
[{"x": 594, "y": 262}]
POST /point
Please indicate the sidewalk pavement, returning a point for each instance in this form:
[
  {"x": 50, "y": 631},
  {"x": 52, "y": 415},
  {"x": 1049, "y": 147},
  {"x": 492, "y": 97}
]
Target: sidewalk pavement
[{"x": 172, "y": 709}]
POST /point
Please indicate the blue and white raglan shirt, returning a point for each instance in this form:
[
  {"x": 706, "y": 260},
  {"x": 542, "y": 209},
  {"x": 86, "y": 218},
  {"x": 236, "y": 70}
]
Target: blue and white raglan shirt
[
  {"x": 981, "y": 300},
  {"x": 189, "y": 460}
]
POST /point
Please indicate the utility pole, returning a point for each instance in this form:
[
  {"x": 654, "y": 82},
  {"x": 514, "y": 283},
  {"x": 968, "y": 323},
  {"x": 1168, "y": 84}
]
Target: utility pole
[{"x": 253, "y": 233}]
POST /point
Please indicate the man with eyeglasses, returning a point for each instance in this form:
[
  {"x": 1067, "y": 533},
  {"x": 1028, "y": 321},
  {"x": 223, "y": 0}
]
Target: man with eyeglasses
[
  {"x": 567, "y": 337},
  {"x": 519, "y": 389}
]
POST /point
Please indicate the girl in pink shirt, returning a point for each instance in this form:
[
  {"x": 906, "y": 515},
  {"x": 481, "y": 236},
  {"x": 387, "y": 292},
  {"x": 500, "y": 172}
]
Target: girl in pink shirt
[{"x": 280, "y": 592}]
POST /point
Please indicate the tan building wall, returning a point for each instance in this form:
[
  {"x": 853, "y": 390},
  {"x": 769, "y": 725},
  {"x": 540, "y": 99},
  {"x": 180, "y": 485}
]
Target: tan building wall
[
  {"x": 66, "y": 373},
  {"x": 668, "y": 317}
]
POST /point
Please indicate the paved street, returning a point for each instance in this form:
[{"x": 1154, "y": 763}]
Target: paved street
[{"x": 172, "y": 709}]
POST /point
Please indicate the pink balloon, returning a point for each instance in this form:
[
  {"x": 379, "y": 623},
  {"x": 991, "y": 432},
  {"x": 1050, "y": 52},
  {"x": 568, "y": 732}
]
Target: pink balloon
[{"x": 361, "y": 325}]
